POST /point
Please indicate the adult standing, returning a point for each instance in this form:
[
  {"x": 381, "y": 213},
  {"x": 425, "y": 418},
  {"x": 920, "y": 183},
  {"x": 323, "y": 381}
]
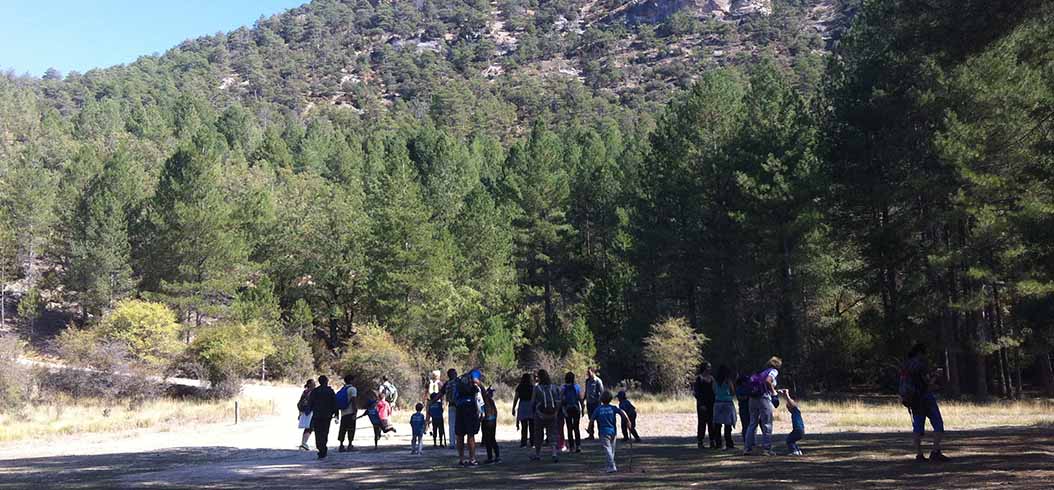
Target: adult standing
[
  {"x": 323, "y": 403},
  {"x": 546, "y": 415},
  {"x": 724, "y": 412},
  {"x": 451, "y": 402},
  {"x": 348, "y": 404},
  {"x": 523, "y": 408},
  {"x": 572, "y": 412},
  {"x": 304, "y": 417},
  {"x": 703, "y": 390},
  {"x": 761, "y": 407},
  {"x": 434, "y": 384},
  {"x": 467, "y": 389},
  {"x": 922, "y": 403},
  {"x": 594, "y": 388}
]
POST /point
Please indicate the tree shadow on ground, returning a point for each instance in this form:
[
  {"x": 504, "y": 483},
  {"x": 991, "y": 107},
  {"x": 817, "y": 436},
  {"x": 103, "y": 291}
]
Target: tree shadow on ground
[{"x": 1012, "y": 457}]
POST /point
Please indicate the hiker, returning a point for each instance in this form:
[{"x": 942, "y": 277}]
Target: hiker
[
  {"x": 917, "y": 394},
  {"x": 594, "y": 388},
  {"x": 546, "y": 399},
  {"x": 388, "y": 392},
  {"x": 743, "y": 399},
  {"x": 304, "y": 417},
  {"x": 762, "y": 394},
  {"x": 703, "y": 390},
  {"x": 490, "y": 427},
  {"x": 347, "y": 403},
  {"x": 631, "y": 412},
  {"x": 724, "y": 413},
  {"x": 323, "y": 404},
  {"x": 572, "y": 407},
  {"x": 604, "y": 416},
  {"x": 797, "y": 425},
  {"x": 435, "y": 420},
  {"x": 465, "y": 388},
  {"x": 451, "y": 402},
  {"x": 417, "y": 429},
  {"x": 373, "y": 410},
  {"x": 523, "y": 409}
]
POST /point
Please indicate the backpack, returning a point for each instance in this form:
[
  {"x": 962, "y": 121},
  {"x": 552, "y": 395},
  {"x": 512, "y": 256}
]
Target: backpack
[
  {"x": 390, "y": 393},
  {"x": 465, "y": 390},
  {"x": 342, "y": 399},
  {"x": 909, "y": 392},
  {"x": 302, "y": 406},
  {"x": 757, "y": 386},
  {"x": 547, "y": 404}
]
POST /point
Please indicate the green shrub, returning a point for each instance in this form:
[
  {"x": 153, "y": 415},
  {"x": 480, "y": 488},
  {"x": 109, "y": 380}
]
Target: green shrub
[
  {"x": 148, "y": 329},
  {"x": 291, "y": 360},
  {"x": 672, "y": 353},
  {"x": 372, "y": 354},
  {"x": 230, "y": 351}
]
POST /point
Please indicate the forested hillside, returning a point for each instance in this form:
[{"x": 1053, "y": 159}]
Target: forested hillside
[{"x": 398, "y": 185}]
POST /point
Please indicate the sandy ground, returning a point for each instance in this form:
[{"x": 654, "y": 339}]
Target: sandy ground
[{"x": 262, "y": 453}]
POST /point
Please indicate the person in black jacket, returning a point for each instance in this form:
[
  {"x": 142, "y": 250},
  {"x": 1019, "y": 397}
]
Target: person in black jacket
[
  {"x": 703, "y": 389},
  {"x": 323, "y": 403}
]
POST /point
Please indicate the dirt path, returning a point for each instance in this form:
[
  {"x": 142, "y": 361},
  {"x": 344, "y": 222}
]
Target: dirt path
[{"x": 261, "y": 454}]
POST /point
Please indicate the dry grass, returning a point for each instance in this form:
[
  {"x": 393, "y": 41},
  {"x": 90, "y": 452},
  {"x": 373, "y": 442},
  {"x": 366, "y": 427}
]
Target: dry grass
[{"x": 63, "y": 417}]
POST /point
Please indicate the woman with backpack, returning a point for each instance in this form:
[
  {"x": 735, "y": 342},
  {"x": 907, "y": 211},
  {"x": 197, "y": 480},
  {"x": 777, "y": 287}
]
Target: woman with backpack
[
  {"x": 304, "y": 419},
  {"x": 523, "y": 409},
  {"x": 546, "y": 399},
  {"x": 573, "y": 404}
]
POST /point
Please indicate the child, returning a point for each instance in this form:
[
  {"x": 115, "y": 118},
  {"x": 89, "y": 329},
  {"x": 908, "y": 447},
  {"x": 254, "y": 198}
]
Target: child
[
  {"x": 490, "y": 427},
  {"x": 626, "y": 406},
  {"x": 373, "y": 410},
  {"x": 417, "y": 424},
  {"x": 435, "y": 420},
  {"x": 604, "y": 416},
  {"x": 797, "y": 425}
]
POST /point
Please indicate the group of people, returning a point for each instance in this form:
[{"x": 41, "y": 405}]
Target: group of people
[{"x": 550, "y": 415}]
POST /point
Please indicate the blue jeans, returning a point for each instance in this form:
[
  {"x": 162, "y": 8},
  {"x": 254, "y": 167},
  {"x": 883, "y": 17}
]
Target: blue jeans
[
  {"x": 793, "y": 438},
  {"x": 927, "y": 410},
  {"x": 760, "y": 417}
]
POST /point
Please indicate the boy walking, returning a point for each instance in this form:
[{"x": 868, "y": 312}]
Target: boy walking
[
  {"x": 604, "y": 416},
  {"x": 631, "y": 411}
]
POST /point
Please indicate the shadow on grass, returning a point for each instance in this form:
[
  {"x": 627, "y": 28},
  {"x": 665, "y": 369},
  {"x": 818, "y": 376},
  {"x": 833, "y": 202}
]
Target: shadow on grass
[{"x": 1016, "y": 458}]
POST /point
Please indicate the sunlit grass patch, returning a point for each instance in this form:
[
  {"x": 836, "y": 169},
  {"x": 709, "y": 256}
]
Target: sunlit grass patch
[{"x": 64, "y": 417}]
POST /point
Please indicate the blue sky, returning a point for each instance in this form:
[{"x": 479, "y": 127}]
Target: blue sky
[{"x": 84, "y": 34}]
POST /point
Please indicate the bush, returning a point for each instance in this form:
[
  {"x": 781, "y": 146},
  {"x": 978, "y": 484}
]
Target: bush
[
  {"x": 148, "y": 329},
  {"x": 371, "y": 354},
  {"x": 103, "y": 369},
  {"x": 672, "y": 353},
  {"x": 230, "y": 351},
  {"x": 292, "y": 359},
  {"x": 14, "y": 390}
]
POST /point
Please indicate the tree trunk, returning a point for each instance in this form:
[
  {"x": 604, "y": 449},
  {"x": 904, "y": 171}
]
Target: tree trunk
[
  {"x": 981, "y": 374},
  {"x": 1046, "y": 372}
]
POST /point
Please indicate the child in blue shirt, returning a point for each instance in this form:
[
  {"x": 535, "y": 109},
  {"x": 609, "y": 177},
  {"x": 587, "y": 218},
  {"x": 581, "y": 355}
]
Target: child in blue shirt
[
  {"x": 797, "y": 425},
  {"x": 604, "y": 416},
  {"x": 417, "y": 423},
  {"x": 380, "y": 425},
  {"x": 627, "y": 406},
  {"x": 435, "y": 420}
]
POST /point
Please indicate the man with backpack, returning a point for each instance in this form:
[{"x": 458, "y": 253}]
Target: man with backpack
[
  {"x": 762, "y": 393},
  {"x": 347, "y": 403},
  {"x": 467, "y": 424},
  {"x": 594, "y": 388},
  {"x": 323, "y": 405},
  {"x": 388, "y": 391},
  {"x": 916, "y": 395}
]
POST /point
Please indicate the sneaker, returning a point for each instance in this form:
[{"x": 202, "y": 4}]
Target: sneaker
[
  {"x": 612, "y": 470},
  {"x": 341, "y": 449},
  {"x": 578, "y": 450},
  {"x": 352, "y": 449},
  {"x": 556, "y": 459},
  {"x": 920, "y": 457},
  {"x": 497, "y": 460},
  {"x": 799, "y": 453},
  {"x": 748, "y": 452},
  {"x": 473, "y": 463},
  {"x": 938, "y": 457},
  {"x": 303, "y": 447},
  {"x": 534, "y": 457},
  {"x": 730, "y": 447}
]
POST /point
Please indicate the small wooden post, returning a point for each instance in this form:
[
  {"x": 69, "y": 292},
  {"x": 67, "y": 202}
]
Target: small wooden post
[{"x": 236, "y": 412}]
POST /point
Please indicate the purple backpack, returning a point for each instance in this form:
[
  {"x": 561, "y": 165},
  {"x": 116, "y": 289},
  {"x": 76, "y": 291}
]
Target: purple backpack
[{"x": 757, "y": 386}]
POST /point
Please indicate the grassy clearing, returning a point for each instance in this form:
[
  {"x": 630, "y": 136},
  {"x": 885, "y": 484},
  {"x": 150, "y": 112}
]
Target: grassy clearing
[{"x": 63, "y": 417}]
